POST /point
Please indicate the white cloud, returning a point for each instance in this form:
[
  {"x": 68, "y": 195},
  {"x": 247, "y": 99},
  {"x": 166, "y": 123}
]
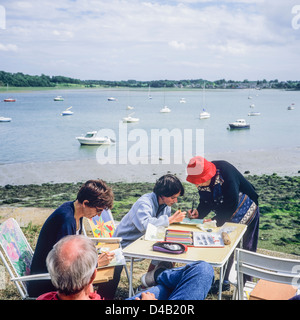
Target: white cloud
[
  {"x": 24, "y": 4},
  {"x": 139, "y": 39},
  {"x": 63, "y": 34},
  {"x": 8, "y": 47},
  {"x": 177, "y": 45},
  {"x": 229, "y": 48}
]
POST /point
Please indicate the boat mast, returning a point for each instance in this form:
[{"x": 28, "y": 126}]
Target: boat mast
[{"x": 203, "y": 96}]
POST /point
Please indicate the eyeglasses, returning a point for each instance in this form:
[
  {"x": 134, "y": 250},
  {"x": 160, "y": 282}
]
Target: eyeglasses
[{"x": 99, "y": 210}]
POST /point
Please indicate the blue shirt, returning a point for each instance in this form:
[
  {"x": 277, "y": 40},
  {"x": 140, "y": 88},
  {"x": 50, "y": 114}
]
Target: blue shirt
[{"x": 145, "y": 210}]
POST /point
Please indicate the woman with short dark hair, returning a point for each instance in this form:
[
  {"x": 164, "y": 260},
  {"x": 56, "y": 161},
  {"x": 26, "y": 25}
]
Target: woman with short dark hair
[
  {"x": 93, "y": 197},
  {"x": 154, "y": 208}
]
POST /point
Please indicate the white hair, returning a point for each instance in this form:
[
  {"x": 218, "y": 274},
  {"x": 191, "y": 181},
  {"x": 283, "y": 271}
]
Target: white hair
[{"x": 70, "y": 277}]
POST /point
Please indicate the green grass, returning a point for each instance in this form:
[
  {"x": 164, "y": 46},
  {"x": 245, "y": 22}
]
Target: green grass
[{"x": 279, "y": 201}]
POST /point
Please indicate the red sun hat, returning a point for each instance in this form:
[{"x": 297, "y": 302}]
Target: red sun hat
[{"x": 200, "y": 170}]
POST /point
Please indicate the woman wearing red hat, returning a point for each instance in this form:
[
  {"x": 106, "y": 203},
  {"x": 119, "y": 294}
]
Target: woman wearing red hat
[{"x": 224, "y": 190}]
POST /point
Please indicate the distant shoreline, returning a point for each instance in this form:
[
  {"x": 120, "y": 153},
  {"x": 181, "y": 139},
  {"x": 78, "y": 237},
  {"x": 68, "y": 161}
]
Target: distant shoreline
[
  {"x": 284, "y": 162},
  {"x": 11, "y": 79},
  {"x": 98, "y": 87}
]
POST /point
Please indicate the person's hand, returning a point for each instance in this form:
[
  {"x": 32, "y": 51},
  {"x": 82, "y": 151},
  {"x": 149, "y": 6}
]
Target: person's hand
[
  {"x": 193, "y": 214},
  {"x": 105, "y": 258},
  {"x": 146, "y": 296},
  {"x": 178, "y": 216}
]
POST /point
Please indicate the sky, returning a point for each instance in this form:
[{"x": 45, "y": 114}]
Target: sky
[{"x": 152, "y": 39}]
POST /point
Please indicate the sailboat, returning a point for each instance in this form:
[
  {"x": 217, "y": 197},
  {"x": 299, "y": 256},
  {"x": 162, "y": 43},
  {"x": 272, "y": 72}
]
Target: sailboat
[
  {"x": 204, "y": 114},
  {"x": 130, "y": 119},
  {"x": 129, "y": 107},
  {"x": 165, "y": 109},
  {"x": 9, "y": 99},
  {"x": 149, "y": 94},
  {"x": 67, "y": 112},
  {"x": 249, "y": 95},
  {"x": 58, "y": 98}
]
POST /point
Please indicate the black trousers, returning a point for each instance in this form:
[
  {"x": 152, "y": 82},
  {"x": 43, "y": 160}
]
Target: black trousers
[{"x": 107, "y": 290}]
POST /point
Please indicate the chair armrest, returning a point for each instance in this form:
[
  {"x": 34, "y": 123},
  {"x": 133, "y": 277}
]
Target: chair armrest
[
  {"x": 41, "y": 276},
  {"x": 107, "y": 240}
]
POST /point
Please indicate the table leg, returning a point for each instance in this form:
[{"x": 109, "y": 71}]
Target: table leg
[
  {"x": 130, "y": 278},
  {"x": 220, "y": 283},
  {"x": 221, "y": 280}
]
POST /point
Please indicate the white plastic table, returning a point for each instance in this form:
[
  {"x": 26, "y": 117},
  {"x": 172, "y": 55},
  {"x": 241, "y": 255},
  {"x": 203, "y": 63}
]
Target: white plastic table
[{"x": 217, "y": 257}]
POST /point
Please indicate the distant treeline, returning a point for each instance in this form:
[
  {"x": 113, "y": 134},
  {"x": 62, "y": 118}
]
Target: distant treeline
[{"x": 24, "y": 80}]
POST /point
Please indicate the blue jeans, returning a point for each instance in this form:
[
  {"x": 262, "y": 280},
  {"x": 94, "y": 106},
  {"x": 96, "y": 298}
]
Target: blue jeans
[{"x": 191, "y": 282}]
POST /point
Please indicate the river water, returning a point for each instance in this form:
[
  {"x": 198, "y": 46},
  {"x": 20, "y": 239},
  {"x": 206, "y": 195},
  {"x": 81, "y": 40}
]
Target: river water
[{"x": 38, "y": 132}]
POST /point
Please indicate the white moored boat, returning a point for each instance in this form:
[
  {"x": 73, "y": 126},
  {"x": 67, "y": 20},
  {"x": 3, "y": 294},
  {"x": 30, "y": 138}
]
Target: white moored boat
[
  {"x": 91, "y": 139},
  {"x": 67, "y": 112},
  {"x": 165, "y": 109},
  {"x": 3, "y": 119},
  {"x": 58, "y": 98},
  {"x": 204, "y": 114},
  {"x": 254, "y": 113},
  {"x": 239, "y": 124},
  {"x": 130, "y": 119}
]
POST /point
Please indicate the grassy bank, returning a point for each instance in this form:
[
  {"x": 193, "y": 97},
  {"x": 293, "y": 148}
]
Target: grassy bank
[
  {"x": 12, "y": 89},
  {"x": 8, "y": 90},
  {"x": 279, "y": 199}
]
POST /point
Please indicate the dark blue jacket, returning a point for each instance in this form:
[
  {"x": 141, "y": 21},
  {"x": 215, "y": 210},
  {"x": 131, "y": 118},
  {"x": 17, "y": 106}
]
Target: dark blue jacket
[
  {"x": 225, "y": 202},
  {"x": 58, "y": 225}
]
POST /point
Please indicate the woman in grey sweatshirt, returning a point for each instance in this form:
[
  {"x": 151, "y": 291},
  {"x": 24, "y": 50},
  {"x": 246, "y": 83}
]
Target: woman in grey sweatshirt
[{"x": 154, "y": 208}]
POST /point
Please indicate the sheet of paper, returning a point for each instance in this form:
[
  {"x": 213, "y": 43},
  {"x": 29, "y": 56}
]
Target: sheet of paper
[
  {"x": 118, "y": 259},
  {"x": 154, "y": 233},
  {"x": 191, "y": 221}
]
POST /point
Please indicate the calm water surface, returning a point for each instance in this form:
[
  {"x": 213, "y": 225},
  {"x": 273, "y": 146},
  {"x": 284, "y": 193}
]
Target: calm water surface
[{"x": 39, "y": 133}]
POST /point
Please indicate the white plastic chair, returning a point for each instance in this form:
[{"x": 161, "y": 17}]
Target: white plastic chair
[
  {"x": 16, "y": 255},
  {"x": 265, "y": 267},
  {"x": 232, "y": 278}
]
